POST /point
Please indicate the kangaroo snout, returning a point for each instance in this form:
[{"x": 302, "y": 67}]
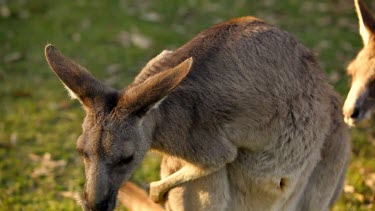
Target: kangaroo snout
[
  {"x": 352, "y": 115},
  {"x": 358, "y": 111},
  {"x": 103, "y": 202},
  {"x": 102, "y": 205},
  {"x": 355, "y": 113},
  {"x": 356, "y": 105}
]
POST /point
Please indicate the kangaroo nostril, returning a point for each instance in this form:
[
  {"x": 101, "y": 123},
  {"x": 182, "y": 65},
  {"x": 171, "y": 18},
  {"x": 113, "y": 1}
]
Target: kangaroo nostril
[
  {"x": 103, "y": 205},
  {"x": 355, "y": 113}
]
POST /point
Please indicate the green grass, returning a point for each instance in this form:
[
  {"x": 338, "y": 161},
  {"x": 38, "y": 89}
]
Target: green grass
[{"x": 37, "y": 117}]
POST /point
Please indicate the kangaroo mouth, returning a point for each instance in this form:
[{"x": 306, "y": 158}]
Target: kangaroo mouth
[
  {"x": 107, "y": 205},
  {"x": 360, "y": 113},
  {"x": 352, "y": 122}
]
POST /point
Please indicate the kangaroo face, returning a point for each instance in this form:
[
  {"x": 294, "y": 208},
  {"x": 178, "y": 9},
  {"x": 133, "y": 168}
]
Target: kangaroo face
[
  {"x": 360, "y": 99},
  {"x": 111, "y": 148},
  {"x": 117, "y": 130}
]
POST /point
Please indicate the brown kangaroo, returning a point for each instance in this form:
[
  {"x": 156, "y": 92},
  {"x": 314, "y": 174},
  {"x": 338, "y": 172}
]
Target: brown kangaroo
[
  {"x": 242, "y": 114},
  {"x": 361, "y": 97}
]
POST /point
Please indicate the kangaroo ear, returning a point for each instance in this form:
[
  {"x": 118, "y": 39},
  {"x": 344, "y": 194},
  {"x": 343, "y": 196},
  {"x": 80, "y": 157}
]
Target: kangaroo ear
[
  {"x": 366, "y": 21},
  {"x": 143, "y": 96},
  {"x": 153, "y": 66},
  {"x": 80, "y": 83}
]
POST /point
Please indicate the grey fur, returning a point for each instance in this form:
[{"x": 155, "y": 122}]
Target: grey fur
[{"x": 253, "y": 126}]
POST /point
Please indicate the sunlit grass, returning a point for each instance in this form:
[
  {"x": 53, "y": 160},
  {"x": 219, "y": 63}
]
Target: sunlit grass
[{"x": 37, "y": 117}]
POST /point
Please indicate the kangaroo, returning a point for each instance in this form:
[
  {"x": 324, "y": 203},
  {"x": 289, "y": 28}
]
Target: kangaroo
[
  {"x": 360, "y": 100},
  {"x": 135, "y": 198},
  {"x": 242, "y": 114}
]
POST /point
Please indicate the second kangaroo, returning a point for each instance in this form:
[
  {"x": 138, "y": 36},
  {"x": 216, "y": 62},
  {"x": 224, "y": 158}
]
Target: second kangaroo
[{"x": 242, "y": 113}]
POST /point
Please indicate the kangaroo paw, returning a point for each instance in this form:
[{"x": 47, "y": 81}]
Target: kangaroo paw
[{"x": 157, "y": 192}]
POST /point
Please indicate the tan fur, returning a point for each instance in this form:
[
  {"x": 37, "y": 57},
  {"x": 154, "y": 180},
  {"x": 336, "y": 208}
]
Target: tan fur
[
  {"x": 360, "y": 100},
  {"x": 136, "y": 199}
]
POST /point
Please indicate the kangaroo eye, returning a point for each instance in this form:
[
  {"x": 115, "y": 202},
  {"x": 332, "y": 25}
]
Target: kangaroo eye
[
  {"x": 83, "y": 153},
  {"x": 124, "y": 161}
]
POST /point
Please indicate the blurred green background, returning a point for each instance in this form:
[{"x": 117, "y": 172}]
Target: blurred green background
[{"x": 39, "y": 167}]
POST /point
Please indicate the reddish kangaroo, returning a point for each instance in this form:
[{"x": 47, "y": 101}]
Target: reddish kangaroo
[
  {"x": 361, "y": 97},
  {"x": 242, "y": 114}
]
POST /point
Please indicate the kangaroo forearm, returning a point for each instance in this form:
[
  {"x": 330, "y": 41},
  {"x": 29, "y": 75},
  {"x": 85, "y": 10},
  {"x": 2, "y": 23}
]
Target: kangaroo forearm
[
  {"x": 198, "y": 160},
  {"x": 186, "y": 174}
]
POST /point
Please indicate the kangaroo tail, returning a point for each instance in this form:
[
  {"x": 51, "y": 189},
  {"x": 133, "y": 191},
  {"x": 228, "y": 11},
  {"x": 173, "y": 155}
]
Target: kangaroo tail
[{"x": 136, "y": 199}]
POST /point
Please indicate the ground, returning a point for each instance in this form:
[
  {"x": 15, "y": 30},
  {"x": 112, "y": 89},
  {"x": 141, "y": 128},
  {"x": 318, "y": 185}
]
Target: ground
[{"x": 39, "y": 167}]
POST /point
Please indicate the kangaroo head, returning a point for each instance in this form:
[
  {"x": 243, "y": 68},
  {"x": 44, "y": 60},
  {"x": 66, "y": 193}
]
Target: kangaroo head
[
  {"x": 361, "y": 97},
  {"x": 118, "y": 126}
]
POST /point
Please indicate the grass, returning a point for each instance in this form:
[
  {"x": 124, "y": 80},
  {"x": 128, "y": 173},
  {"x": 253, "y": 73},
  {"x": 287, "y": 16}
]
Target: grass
[{"x": 114, "y": 39}]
